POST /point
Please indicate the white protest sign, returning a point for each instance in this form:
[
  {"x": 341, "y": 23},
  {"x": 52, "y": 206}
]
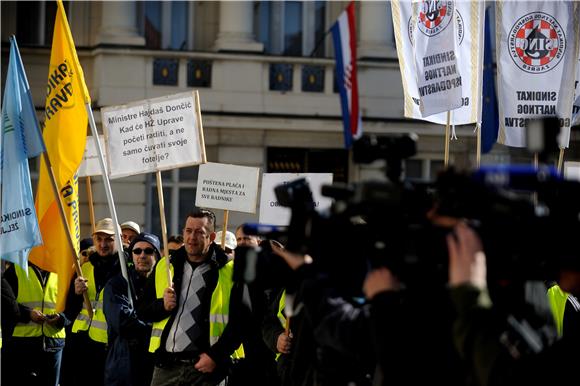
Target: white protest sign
[
  {"x": 90, "y": 164},
  {"x": 229, "y": 187},
  {"x": 572, "y": 171},
  {"x": 155, "y": 134},
  {"x": 272, "y": 213}
]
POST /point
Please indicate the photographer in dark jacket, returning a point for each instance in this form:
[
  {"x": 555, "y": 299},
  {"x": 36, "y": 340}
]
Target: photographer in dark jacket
[
  {"x": 331, "y": 344},
  {"x": 478, "y": 339},
  {"x": 195, "y": 318}
]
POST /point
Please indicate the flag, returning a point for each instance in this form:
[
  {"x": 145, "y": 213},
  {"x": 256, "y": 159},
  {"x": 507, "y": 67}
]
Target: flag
[
  {"x": 576, "y": 107},
  {"x": 20, "y": 139},
  {"x": 462, "y": 59},
  {"x": 65, "y": 131},
  {"x": 537, "y": 53},
  {"x": 489, "y": 122},
  {"x": 344, "y": 38}
]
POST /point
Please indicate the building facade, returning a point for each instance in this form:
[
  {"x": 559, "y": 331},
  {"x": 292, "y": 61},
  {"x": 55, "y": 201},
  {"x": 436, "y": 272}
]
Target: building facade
[{"x": 265, "y": 73}]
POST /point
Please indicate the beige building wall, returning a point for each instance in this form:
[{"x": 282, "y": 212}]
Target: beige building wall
[{"x": 241, "y": 116}]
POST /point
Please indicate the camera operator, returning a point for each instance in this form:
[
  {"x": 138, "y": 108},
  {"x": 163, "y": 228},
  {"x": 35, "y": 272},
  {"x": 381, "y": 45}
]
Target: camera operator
[
  {"x": 330, "y": 344},
  {"x": 478, "y": 332},
  {"x": 411, "y": 329}
]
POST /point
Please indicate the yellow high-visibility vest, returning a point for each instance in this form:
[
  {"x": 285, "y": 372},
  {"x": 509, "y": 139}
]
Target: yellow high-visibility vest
[
  {"x": 31, "y": 294},
  {"x": 281, "y": 316},
  {"x": 219, "y": 307},
  {"x": 97, "y": 326},
  {"x": 558, "y": 299}
]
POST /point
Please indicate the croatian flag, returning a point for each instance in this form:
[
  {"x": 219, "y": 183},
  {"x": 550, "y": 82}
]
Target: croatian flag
[{"x": 344, "y": 38}]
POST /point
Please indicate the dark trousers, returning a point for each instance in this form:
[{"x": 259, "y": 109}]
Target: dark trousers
[
  {"x": 179, "y": 373},
  {"x": 83, "y": 361},
  {"x": 27, "y": 361}
]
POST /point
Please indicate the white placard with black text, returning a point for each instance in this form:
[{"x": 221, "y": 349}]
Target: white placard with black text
[
  {"x": 155, "y": 134},
  {"x": 90, "y": 163},
  {"x": 229, "y": 187},
  {"x": 270, "y": 210}
]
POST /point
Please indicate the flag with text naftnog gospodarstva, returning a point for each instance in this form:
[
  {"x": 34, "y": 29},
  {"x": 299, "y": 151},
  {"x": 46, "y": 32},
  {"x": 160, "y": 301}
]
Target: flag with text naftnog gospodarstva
[
  {"x": 440, "y": 50},
  {"x": 65, "y": 131},
  {"x": 537, "y": 53}
]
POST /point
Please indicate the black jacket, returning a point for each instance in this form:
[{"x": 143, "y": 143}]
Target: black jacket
[
  {"x": 128, "y": 360},
  {"x": 152, "y": 310},
  {"x": 104, "y": 269}
]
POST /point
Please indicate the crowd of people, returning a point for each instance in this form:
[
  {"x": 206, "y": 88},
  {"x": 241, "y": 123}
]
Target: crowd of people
[{"x": 182, "y": 319}]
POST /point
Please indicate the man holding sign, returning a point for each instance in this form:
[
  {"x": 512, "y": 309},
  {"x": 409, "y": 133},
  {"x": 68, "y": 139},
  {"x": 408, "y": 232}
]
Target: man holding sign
[{"x": 195, "y": 328}]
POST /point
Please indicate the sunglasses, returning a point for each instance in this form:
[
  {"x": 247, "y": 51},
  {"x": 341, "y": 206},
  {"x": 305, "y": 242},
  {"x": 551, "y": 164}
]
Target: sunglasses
[{"x": 148, "y": 251}]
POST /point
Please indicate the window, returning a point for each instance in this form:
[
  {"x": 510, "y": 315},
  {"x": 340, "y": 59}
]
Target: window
[
  {"x": 417, "y": 169},
  {"x": 35, "y": 22},
  {"x": 167, "y": 24},
  {"x": 299, "y": 160},
  {"x": 179, "y": 187},
  {"x": 291, "y": 28}
]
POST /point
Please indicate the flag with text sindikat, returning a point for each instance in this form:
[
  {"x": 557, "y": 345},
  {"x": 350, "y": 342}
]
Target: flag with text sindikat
[
  {"x": 344, "y": 38},
  {"x": 537, "y": 47},
  {"x": 65, "y": 132},
  {"x": 440, "y": 52},
  {"x": 20, "y": 139}
]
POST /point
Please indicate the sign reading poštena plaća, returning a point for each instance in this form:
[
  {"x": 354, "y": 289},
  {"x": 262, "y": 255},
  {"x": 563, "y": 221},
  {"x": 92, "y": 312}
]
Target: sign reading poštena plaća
[
  {"x": 537, "y": 50},
  {"x": 440, "y": 50},
  {"x": 153, "y": 135},
  {"x": 228, "y": 187}
]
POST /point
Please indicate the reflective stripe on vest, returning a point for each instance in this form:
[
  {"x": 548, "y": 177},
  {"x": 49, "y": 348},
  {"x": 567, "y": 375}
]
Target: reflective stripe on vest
[
  {"x": 97, "y": 327},
  {"x": 558, "y": 299},
  {"x": 219, "y": 307},
  {"x": 31, "y": 294}
]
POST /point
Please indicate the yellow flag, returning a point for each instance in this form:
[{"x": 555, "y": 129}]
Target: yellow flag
[{"x": 65, "y": 134}]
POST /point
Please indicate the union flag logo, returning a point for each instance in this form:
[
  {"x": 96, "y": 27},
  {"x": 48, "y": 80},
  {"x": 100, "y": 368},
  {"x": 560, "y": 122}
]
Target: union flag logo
[{"x": 536, "y": 43}]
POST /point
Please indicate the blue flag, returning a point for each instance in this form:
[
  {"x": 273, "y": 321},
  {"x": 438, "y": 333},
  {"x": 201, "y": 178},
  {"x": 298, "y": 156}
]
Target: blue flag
[
  {"x": 20, "y": 139},
  {"x": 489, "y": 113}
]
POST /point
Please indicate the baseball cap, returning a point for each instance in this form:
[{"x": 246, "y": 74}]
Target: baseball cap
[
  {"x": 150, "y": 238},
  {"x": 131, "y": 225},
  {"x": 231, "y": 242},
  {"x": 105, "y": 226}
]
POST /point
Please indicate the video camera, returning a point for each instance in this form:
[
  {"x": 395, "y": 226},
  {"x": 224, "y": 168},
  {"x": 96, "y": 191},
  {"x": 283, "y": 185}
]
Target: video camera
[{"x": 527, "y": 218}]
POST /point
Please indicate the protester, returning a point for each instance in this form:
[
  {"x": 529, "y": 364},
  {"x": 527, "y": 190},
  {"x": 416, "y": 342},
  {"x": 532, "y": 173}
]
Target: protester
[
  {"x": 174, "y": 243},
  {"x": 231, "y": 243},
  {"x": 244, "y": 240},
  {"x": 84, "y": 361},
  {"x": 129, "y": 362},
  {"x": 86, "y": 248},
  {"x": 32, "y": 355},
  {"x": 129, "y": 230},
  {"x": 196, "y": 318}
]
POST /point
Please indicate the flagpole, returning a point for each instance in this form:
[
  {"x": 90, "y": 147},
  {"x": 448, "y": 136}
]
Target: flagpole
[
  {"x": 62, "y": 214},
  {"x": 561, "y": 160},
  {"x": 478, "y": 154},
  {"x": 163, "y": 222},
  {"x": 446, "y": 160},
  {"x": 110, "y": 201},
  {"x": 225, "y": 228},
  {"x": 90, "y": 201}
]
